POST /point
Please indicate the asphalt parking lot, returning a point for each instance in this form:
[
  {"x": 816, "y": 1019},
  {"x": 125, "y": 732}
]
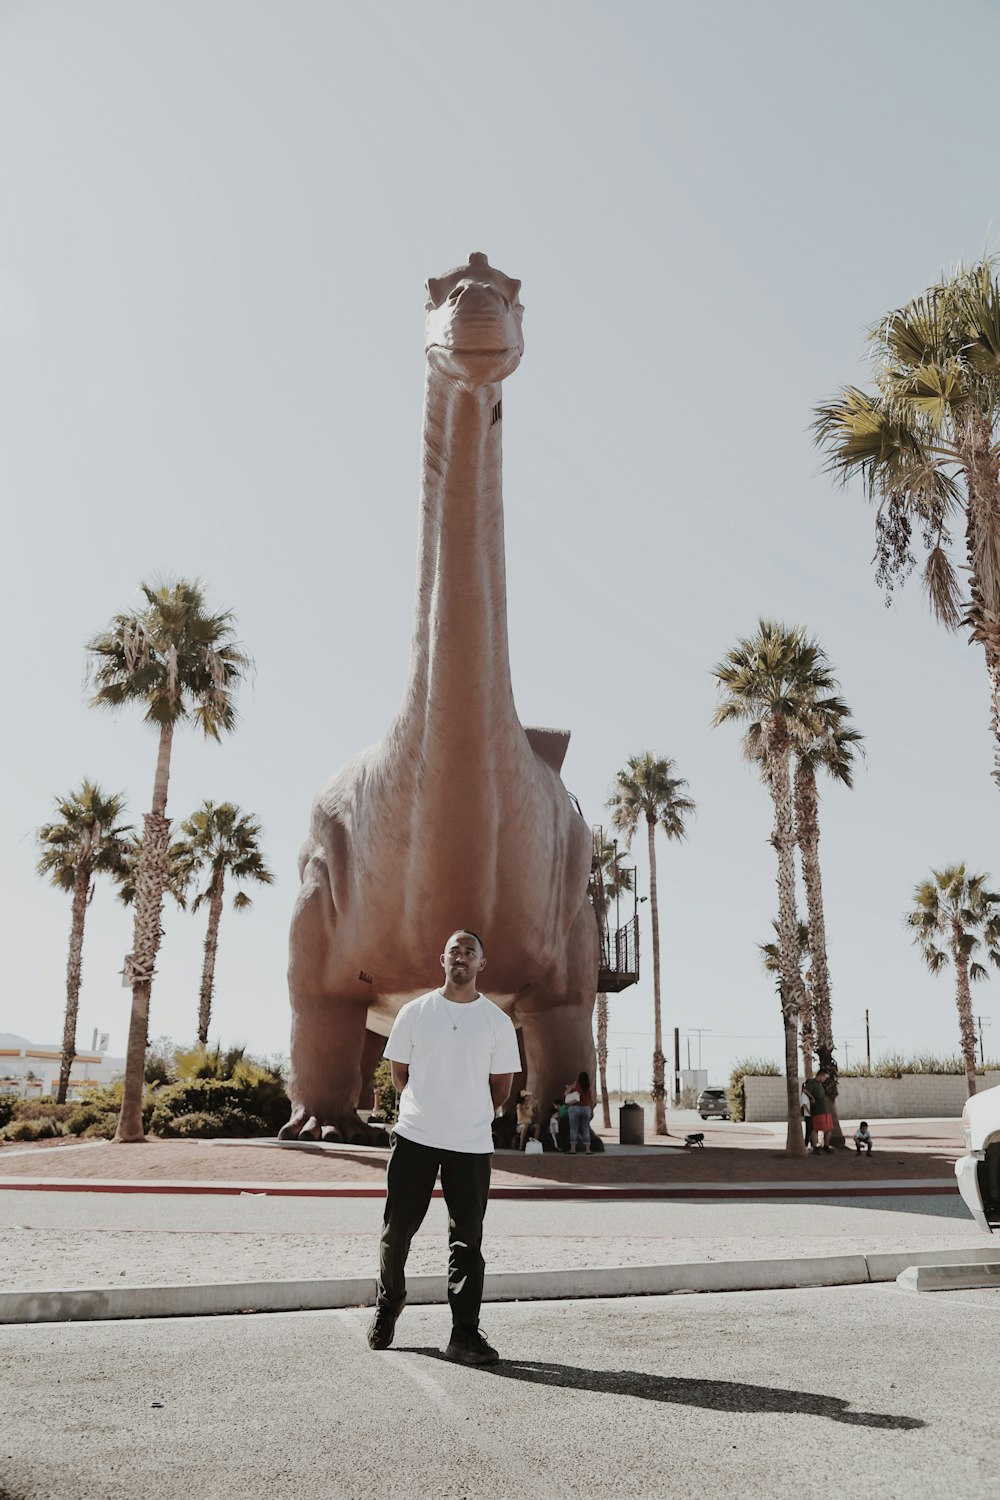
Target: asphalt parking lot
[{"x": 856, "y": 1391}]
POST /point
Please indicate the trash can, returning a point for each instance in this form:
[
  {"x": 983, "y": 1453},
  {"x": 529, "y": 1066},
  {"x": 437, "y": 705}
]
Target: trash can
[{"x": 632, "y": 1124}]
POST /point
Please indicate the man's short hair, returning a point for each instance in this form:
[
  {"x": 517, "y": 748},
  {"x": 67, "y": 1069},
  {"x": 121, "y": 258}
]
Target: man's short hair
[{"x": 468, "y": 932}]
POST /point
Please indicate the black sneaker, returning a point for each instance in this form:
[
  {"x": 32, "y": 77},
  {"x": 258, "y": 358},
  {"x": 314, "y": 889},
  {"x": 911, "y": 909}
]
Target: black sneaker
[
  {"x": 382, "y": 1327},
  {"x": 468, "y": 1347}
]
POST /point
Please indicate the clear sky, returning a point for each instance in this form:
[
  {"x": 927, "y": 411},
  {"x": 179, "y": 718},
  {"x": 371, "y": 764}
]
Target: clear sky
[{"x": 216, "y": 217}]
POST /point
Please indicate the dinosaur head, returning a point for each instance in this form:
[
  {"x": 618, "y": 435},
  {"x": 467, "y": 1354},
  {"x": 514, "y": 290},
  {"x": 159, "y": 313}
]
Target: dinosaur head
[{"x": 474, "y": 323}]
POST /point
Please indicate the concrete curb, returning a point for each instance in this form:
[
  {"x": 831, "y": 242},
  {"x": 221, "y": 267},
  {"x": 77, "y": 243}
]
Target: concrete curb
[
  {"x": 889, "y": 1188},
  {"x": 964, "y": 1275},
  {"x": 89, "y": 1304}
]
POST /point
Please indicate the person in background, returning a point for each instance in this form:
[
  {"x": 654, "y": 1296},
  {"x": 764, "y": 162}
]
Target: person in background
[
  {"x": 862, "y": 1138},
  {"x": 554, "y": 1123},
  {"x": 527, "y": 1119},
  {"x": 822, "y": 1116},
  {"x": 581, "y": 1107},
  {"x": 805, "y": 1105}
]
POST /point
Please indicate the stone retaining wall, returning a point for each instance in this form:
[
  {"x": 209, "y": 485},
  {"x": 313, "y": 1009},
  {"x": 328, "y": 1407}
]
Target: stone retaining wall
[{"x": 913, "y": 1096}]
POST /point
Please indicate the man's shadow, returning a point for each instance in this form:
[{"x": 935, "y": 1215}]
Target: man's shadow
[{"x": 712, "y": 1395}]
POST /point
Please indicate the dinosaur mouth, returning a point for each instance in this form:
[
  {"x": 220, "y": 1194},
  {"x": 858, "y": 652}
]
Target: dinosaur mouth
[{"x": 471, "y": 353}]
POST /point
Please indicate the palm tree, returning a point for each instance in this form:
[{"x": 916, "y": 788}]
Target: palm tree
[
  {"x": 181, "y": 664},
  {"x": 773, "y": 682},
  {"x": 224, "y": 841},
  {"x": 647, "y": 789},
  {"x": 616, "y": 880},
  {"x": 87, "y": 840},
  {"x": 828, "y": 744},
  {"x": 957, "y": 912},
  {"x": 770, "y": 957},
  {"x": 924, "y": 444}
]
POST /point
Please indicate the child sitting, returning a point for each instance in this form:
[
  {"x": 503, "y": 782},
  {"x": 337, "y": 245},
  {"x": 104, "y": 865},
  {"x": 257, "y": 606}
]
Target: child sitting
[{"x": 862, "y": 1138}]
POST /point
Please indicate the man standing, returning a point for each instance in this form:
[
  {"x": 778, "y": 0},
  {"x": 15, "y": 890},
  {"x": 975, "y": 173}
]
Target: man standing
[
  {"x": 822, "y": 1118},
  {"x": 454, "y": 1055}
]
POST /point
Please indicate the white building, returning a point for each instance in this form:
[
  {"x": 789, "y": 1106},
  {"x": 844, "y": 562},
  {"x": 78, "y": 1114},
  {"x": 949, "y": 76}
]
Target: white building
[{"x": 31, "y": 1071}]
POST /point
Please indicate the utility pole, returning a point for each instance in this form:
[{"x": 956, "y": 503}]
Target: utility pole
[
  {"x": 626, "y": 1051},
  {"x": 847, "y": 1056},
  {"x": 868, "y": 1041},
  {"x": 982, "y": 1055}
]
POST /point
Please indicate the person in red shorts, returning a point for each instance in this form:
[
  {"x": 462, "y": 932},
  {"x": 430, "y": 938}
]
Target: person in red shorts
[{"x": 822, "y": 1117}]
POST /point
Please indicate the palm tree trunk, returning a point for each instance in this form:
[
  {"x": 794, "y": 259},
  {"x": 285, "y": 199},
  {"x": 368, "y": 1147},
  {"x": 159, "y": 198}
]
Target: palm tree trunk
[
  {"x": 150, "y": 883},
  {"x": 659, "y": 1091},
  {"x": 783, "y": 839},
  {"x": 208, "y": 967},
  {"x": 81, "y": 892},
  {"x": 807, "y": 821},
  {"x": 981, "y": 540},
  {"x": 807, "y": 1029},
  {"x": 963, "y": 999},
  {"x": 602, "y": 1056}
]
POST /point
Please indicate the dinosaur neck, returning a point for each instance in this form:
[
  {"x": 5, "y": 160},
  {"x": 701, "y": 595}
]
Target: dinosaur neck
[{"x": 459, "y": 684}]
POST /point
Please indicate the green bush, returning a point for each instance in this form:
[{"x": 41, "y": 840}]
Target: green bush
[
  {"x": 41, "y": 1109},
  {"x": 895, "y": 1064},
  {"x": 735, "y": 1093},
  {"x": 31, "y": 1130},
  {"x": 388, "y": 1099},
  {"x": 160, "y": 1061},
  {"x": 250, "y": 1101},
  {"x": 7, "y": 1102},
  {"x": 196, "y": 1125}
]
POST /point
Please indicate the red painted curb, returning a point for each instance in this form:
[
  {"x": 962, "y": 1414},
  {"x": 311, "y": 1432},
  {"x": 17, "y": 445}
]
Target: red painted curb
[{"x": 554, "y": 1191}]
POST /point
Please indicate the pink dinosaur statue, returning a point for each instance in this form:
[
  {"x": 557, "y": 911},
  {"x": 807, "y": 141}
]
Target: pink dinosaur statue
[{"x": 458, "y": 816}]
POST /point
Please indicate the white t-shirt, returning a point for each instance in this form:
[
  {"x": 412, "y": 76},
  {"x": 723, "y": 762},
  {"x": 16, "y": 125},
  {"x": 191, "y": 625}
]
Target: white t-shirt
[{"x": 451, "y": 1050}]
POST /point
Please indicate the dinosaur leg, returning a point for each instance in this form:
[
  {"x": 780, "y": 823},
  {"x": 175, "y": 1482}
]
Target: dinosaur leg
[
  {"x": 328, "y": 1025},
  {"x": 558, "y": 1044}
]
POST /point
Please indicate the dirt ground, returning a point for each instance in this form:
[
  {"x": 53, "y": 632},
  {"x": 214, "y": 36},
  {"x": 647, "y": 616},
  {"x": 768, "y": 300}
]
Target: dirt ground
[{"x": 732, "y": 1154}]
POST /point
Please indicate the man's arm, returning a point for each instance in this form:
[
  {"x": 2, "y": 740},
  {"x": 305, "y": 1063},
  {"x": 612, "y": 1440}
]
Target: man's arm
[
  {"x": 499, "y": 1087},
  {"x": 400, "y": 1075}
]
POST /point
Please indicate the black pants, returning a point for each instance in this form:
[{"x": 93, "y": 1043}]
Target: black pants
[{"x": 465, "y": 1182}]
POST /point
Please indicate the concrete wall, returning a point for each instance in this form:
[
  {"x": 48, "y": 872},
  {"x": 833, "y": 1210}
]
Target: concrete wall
[{"x": 910, "y": 1097}]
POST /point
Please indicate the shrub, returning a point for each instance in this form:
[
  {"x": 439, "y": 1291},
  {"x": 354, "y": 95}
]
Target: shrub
[
  {"x": 388, "y": 1099},
  {"x": 197, "y": 1124},
  {"x": 31, "y": 1130},
  {"x": 251, "y": 1102},
  {"x": 735, "y": 1093},
  {"x": 7, "y": 1102},
  {"x": 160, "y": 1061},
  {"x": 41, "y": 1109}
]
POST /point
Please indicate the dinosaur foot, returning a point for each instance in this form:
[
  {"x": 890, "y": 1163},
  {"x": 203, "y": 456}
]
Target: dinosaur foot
[{"x": 343, "y": 1127}]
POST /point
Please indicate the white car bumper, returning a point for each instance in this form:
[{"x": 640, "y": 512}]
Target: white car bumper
[{"x": 967, "y": 1173}]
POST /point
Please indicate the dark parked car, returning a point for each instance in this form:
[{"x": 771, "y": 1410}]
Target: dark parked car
[{"x": 713, "y": 1104}]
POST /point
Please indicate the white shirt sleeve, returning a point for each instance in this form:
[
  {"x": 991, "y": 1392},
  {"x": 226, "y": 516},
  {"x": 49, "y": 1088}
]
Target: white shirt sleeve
[
  {"x": 506, "y": 1057},
  {"x": 399, "y": 1047}
]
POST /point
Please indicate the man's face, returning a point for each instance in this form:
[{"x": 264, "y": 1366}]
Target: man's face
[{"x": 462, "y": 958}]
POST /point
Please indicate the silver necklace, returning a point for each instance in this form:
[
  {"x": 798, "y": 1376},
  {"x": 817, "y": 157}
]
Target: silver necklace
[{"x": 468, "y": 1002}]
